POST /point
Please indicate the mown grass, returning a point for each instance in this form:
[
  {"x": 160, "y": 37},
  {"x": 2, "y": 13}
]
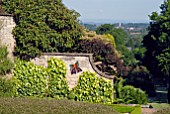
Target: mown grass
[
  {"x": 127, "y": 109},
  {"x": 159, "y": 105},
  {"x": 51, "y": 106}
]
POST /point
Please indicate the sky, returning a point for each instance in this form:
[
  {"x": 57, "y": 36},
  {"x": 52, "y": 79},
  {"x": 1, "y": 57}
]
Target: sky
[{"x": 114, "y": 10}]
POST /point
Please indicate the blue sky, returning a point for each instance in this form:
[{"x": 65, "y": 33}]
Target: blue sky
[{"x": 122, "y": 10}]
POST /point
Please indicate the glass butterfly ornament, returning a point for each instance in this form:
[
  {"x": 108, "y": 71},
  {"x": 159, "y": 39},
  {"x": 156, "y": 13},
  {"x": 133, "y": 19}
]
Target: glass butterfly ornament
[{"x": 75, "y": 68}]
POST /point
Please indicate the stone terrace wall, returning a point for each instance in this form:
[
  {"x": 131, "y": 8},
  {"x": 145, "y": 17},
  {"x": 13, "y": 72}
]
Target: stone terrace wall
[
  {"x": 85, "y": 62},
  {"x": 6, "y": 26}
]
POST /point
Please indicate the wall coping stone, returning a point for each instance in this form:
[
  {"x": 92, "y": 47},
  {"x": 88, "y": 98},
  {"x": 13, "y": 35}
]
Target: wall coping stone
[
  {"x": 10, "y": 15},
  {"x": 89, "y": 55}
]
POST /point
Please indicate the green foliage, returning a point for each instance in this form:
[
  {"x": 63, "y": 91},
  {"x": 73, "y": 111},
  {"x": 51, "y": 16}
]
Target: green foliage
[
  {"x": 139, "y": 53},
  {"x": 31, "y": 79},
  {"x": 129, "y": 94},
  {"x": 118, "y": 85},
  {"x": 7, "y": 88},
  {"x": 137, "y": 110},
  {"x": 43, "y": 26},
  {"x": 110, "y": 38},
  {"x": 126, "y": 109},
  {"x": 120, "y": 38},
  {"x": 92, "y": 89},
  {"x": 39, "y": 81},
  {"x": 102, "y": 51},
  {"x": 118, "y": 33},
  {"x": 99, "y": 48},
  {"x": 5, "y": 62},
  {"x": 157, "y": 43},
  {"x": 57, "y": 85},
  {"x": 122, "y": 108},
  {"x": 140, "y": 77},
  {"x": 127, "y": 56}
]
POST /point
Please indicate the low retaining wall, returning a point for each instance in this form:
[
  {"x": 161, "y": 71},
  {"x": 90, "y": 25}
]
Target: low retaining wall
[{"x": 85, "y": 63}]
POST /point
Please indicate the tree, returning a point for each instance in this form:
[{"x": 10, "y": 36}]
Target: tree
[
  {"x": 120, "y": 37},
  {"x": 43, "y": 26},
  {"x": 157, "y": 43},
  {"x": 118, "y": 33}
]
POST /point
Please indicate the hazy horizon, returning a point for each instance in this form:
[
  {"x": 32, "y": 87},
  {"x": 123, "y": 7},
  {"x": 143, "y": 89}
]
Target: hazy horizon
[{"x": 124, "y": 11}]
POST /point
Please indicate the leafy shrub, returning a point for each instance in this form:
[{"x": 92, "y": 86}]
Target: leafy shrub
[
  {"x": 102, "y": 51},
  {"x": 129, "y": 94},
  {"x": 110, "y": 38},
  {"x": 57, "y": 85},
  {"x": 92, "y": 89},
  {"x": 99, "y": 48},
  {"x": 139, "y": 77},
  {"x": 7, "y": 88},
  {"x": 5, "y": 63},
  {"x": 39, "y": 81},
  {"x": 43, "y": 26},
  {"x": 31, "y": 79}
]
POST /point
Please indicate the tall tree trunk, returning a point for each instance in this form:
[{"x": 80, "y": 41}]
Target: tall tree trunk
[{"x": 169, "y": 91}]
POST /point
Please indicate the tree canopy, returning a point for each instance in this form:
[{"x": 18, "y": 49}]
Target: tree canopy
[
  {"x": 120, "y": 37},
  {"x": 157, "y": 42},
  {"x": 43, "y": 26}
]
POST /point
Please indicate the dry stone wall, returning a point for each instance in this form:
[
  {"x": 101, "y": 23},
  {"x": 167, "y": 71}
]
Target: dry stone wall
[
  {"x": 6, "y": 26},
  {"x": 85, "y": 63}
]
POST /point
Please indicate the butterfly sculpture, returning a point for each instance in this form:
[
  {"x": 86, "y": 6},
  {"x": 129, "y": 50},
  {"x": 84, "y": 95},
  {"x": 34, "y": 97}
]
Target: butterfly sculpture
[{"x": 75, "y": 68}]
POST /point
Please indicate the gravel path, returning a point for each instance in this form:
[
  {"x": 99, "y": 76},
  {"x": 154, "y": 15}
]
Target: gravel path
[{"x": 148, "y": 110}]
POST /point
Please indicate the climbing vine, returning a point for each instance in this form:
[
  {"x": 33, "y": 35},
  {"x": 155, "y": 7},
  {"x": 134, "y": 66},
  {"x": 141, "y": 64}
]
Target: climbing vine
[
  {"x": 92, "y": 89},
  {"x": 43, "y": 26}
]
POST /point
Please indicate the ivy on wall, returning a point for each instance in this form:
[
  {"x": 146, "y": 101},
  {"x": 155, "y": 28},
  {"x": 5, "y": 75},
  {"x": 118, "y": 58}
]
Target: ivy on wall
[
  {"x": 92, "y": 89},
  {"x": 31, "y": 79},
  {"x": 43, "y": 26},
  {"x": 58, "y": 87},
  {"x": 39, "y": 81}
]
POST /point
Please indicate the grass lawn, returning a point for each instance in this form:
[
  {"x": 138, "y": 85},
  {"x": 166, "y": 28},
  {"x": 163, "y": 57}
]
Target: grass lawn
[
  {"x": 51, "y": 106},
  {"x": 127, "y": 109},
  {"x": 159, "y": 105}
]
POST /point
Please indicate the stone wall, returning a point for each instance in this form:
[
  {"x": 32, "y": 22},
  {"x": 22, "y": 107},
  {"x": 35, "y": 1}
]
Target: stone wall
[
  {"x": 85, "y": 62},
  {"x": 6, "y": 26}
]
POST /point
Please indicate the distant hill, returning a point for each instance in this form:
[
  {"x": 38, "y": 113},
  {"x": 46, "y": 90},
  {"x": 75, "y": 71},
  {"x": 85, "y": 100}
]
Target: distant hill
[{"x": 125, "y": 26}]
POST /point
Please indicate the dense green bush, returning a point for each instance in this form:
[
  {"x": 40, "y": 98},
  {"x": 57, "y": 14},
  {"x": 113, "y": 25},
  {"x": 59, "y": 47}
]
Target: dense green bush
[
  {"x": 31, "y": 79},
  {"x": 102, "y": 51},
  {"x": 140, "y": 77},
  {"x": 92, "y": 89},
  {"x": 39, "y": 81},
  {"x": 5, "y": 62},
  {"x": 57, "y": 85},
  {"x": 129, "y": 94},
  {"x": 43, "y": 26},
  {"x": 7, "y": 88}
]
